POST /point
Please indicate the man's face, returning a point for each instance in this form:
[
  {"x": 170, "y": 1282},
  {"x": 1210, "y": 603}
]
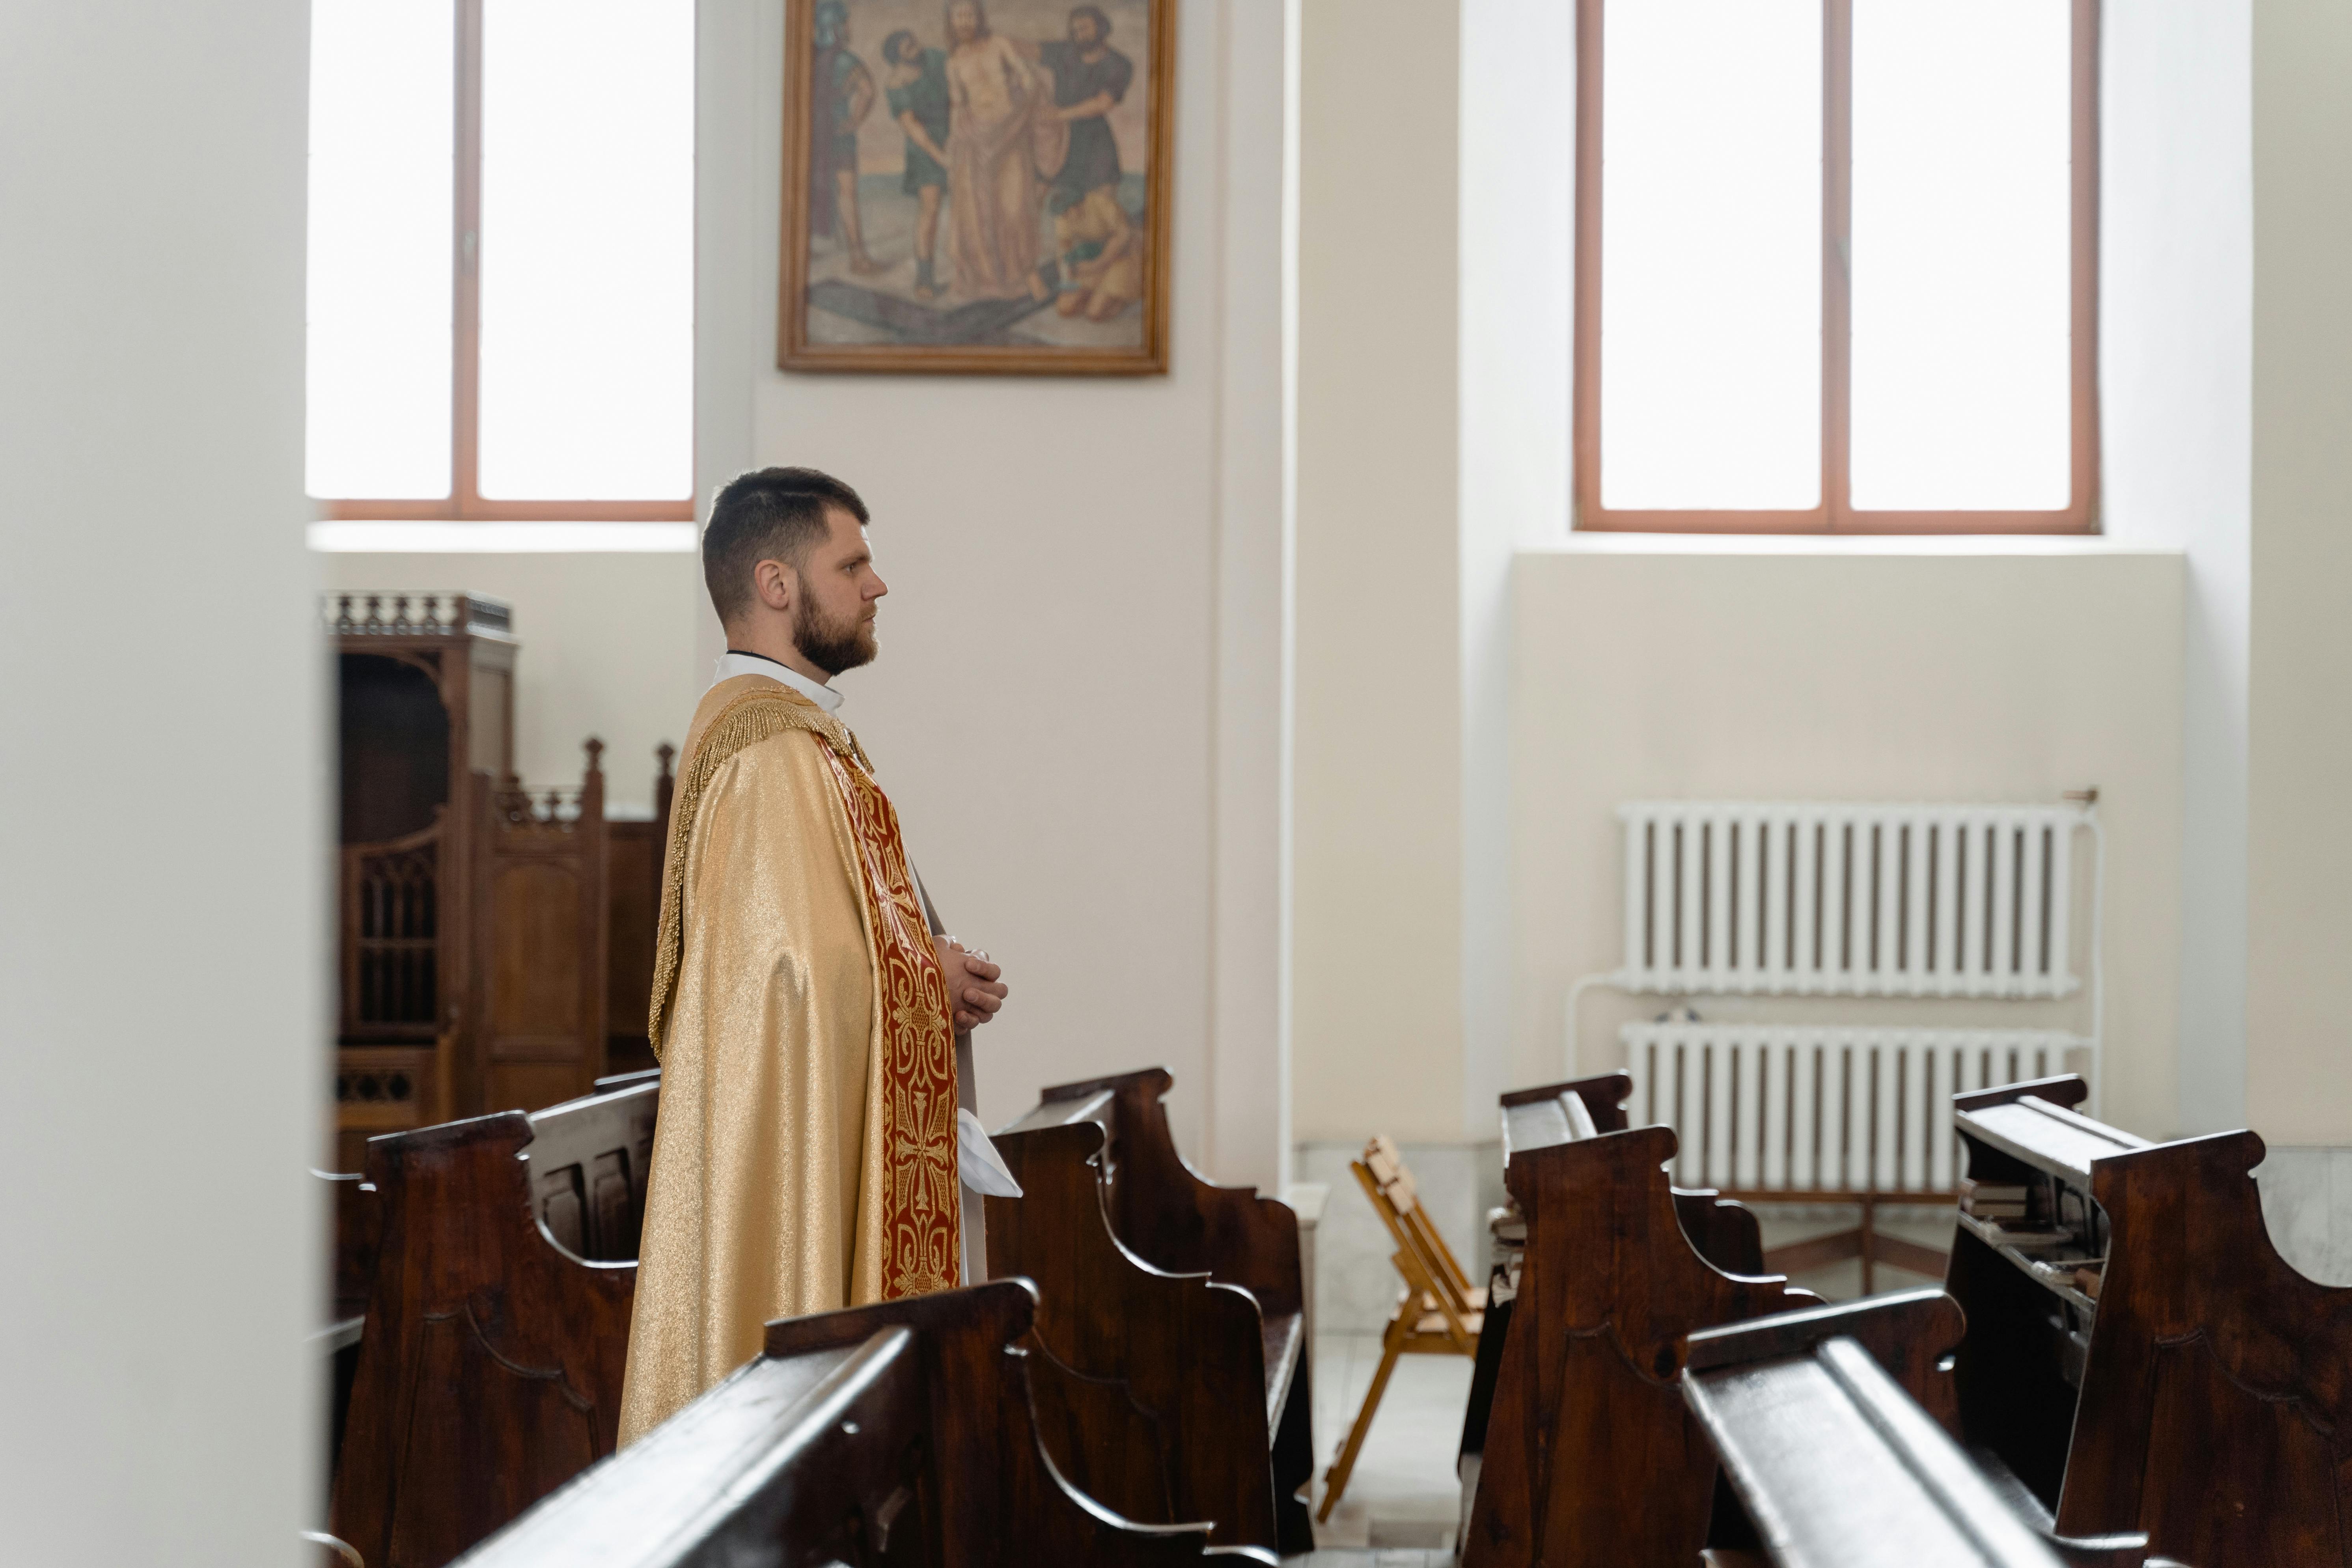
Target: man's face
[
  {"x": 1082, "y": 32},
  {"x": 964, "y": 22},
  {"x": 833, "y": 612}
]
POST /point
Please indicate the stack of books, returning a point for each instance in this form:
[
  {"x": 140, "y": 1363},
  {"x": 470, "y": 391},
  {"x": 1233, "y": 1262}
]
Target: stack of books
[{"x": 2001, "y": 1201}]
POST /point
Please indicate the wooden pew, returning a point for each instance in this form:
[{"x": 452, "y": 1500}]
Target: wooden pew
[
  {"x": 2138, "y": 1355},
  {"x": 1724, "y": 1233},
  {"x": 1590, "y": 1456},
  {"x": 1833, "y": 1426},
  {"x": 1170, "y": 1216},
  {"x": 896, "y": 1434},
  {"x": 1150, "y": 1386},
  {"x": 357, "y": 1221},
  {"x": 489, "y": 1369},
  {"x": 589, "y": 1162},
  {"x": 357, "y": 1233}
]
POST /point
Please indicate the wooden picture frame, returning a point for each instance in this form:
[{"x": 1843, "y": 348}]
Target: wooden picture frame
[{"x": 856, "y": 291}]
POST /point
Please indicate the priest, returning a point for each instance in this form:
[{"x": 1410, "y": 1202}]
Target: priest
[{"x": 805, "y": 1009}]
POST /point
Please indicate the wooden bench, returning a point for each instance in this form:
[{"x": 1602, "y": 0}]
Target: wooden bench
[
  {"x": 1832, "y": 1427},
  {"x": 896, "y": 1434},
  {"x": 1153, "y": 1386},
  {"x": 589, "y": 1162},
  {"x": 1590, "y": 1456},
  {"x": 2140, "y": 1357},
  {"x": 489, "y": 1368},
  {"x": 1724, "y": 1233},
  {"x": 357, "y": 1220},
  {"x": 1170, "y": 1216}
]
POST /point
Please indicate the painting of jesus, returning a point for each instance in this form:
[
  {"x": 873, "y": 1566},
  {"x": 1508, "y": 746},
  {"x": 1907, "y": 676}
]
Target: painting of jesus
[{"x": 977, "y": 186}]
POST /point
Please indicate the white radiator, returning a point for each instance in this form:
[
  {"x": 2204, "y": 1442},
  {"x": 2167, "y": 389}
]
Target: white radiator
[
  {"x": 1849, "y": 900},
  {"x": 1797, "y": 1109}
]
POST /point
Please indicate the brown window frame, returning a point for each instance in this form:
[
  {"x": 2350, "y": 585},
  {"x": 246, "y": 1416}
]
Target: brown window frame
[
  {"x": 1836, "y": 513},
  {"x": 465, "y": 501}
]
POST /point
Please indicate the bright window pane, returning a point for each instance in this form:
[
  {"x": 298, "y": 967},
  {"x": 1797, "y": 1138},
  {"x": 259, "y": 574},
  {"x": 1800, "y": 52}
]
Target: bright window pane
[
  {"x": 1710, "y": 255},
  {"x": 383, "y": 82},
  {"x": 1961, "y": 246},
  {"x": 587, "y": 249}
]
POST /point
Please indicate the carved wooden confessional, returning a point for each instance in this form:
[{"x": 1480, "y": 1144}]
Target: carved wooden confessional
[{"x": 494, "y": 942}]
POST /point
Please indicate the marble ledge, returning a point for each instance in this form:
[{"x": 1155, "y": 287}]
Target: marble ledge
[{"x": 2307, "y": 1207}]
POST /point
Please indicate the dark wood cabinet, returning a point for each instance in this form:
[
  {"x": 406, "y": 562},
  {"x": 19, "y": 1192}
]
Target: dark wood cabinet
[{"x": 491, "y": 937}]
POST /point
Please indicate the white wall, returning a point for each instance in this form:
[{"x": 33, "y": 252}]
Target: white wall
[
  {"x": 2299, "y": 925},
  {"x": 1518, "y": 267},
  {"x": 161, "y": 941},
  {"x": 1377, "y": 920},
  {"x": 2176, "y": 217},
  {"x": 1827, "y": 671}
]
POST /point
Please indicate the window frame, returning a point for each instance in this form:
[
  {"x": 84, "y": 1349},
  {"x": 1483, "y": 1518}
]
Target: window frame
[
  {"x": 1835, "y": 514},
  {"x": 464, "y": 502}
]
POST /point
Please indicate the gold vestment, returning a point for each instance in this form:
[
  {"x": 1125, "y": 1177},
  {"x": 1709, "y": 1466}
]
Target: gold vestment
[{"x": 804, "y": 1157}]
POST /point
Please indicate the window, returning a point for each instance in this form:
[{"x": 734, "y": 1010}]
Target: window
[
  {"x": 501, "y": 277},
  {"x": 1836, "y": 265}
]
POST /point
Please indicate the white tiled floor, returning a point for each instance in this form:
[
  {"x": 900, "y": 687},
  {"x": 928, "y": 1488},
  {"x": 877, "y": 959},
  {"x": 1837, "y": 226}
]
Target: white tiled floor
[{"x": 1402, "y": 1503}]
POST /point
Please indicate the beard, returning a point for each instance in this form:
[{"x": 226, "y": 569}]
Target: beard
[{"x": 833, "y": 646}]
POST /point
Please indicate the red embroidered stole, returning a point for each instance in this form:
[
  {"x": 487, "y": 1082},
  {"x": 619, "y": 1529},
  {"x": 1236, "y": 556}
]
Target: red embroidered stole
[{"x": 917, "y": 1076}]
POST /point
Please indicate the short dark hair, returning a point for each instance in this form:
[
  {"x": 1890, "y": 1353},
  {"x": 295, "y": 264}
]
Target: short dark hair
[
  {"x": 899, "y": 43},
  {"x": 768, "y": 514},
  {"x": 1095, "y": 15}
]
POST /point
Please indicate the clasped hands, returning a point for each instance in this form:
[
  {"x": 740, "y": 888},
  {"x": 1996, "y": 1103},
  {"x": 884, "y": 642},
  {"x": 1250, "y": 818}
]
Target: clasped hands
[{"x": 972, "y": 984}]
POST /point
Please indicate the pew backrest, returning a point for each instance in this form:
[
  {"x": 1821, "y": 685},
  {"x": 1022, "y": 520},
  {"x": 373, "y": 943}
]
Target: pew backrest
[
  {"x": 1149, "y": 1385},
  {"x": 1589, "y": 1457},
  {"x": 489, "y": 1370},
  {"x": 1553, "y": 1113},
  {"x": 1169, "y": 1213},
  {"x": 899, "y": 1434},
  {"x": 806, "y": 1459},
  {"x": 1177, "y": 1220},
  {"x": 1836, "y": 1463},
  {"x": 359, "y": 1225},
  {"x": 589, "y": 1159},
  {"x": 1726, "y": 1232}
]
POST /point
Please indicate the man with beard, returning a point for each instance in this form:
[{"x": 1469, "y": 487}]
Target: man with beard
[
  {"x": 804, "y": 1012},
  {"x": 1090, "y": 77}
]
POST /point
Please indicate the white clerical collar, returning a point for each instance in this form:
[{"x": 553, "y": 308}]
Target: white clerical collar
[{"x": 733, "y": 664}]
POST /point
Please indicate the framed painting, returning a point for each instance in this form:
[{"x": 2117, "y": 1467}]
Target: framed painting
[{"x": 977, "y": 186}]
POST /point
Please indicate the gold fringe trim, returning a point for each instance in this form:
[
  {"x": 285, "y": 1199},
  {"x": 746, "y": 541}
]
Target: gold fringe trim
[{"x": 758, "y": 714}]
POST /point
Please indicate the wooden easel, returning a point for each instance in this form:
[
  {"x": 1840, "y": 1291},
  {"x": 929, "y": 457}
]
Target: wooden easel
[{"x": 1439, "y": 1312}]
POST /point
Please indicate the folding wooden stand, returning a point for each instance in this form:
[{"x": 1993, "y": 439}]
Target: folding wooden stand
[{"x": 1439, "y": 1312}]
